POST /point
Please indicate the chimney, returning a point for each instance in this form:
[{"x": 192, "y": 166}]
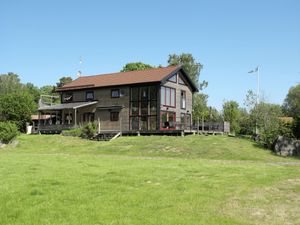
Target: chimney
[{"x": 79, "y": 73}]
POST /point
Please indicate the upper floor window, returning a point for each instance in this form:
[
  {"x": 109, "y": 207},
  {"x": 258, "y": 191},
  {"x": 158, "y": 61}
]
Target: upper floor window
[
  {"x": 183, "y": 99},
  {"x": 115, "y": 93},
  {"x": 180, "y": 81},
  {"x": 168, "y": 96},
  {"x": 89, "y": 95},
  {"x": 173, "y": 78},
  {"x": 67, "y": 97}
]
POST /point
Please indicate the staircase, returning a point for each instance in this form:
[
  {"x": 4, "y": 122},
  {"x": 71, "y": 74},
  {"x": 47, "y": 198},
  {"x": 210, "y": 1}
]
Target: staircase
[{"x": 107, "y": 136}]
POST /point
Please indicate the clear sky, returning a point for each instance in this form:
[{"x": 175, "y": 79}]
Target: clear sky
[{"x": 43, "y": 40}]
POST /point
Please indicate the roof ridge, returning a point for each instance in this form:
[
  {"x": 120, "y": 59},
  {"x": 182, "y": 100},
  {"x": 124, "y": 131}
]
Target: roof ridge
[{"x": 134, "y": 71}]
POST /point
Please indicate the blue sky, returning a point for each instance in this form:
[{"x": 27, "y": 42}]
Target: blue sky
[{"x": 43, "y": 40}]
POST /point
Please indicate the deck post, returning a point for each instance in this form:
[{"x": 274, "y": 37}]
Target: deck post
[
  {"x": 99, "y": 130},
  {"x": 75, "y": 118}
]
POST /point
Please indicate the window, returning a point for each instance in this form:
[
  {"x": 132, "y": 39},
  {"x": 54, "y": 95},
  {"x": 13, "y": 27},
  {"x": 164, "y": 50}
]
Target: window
[
  {"x": 144, "y": 93},
  {"x": 183, "y": 99},
  {"x": 68, "y": 97},
  {"x": 134, "y": 94},
  {"x": 134, "y": 122},
  {"x": 168, "y": 120},
  {"x": 182, "y": 120},
  {"x": 143, "y": 108},
  {"x": 134, "y": 108},
  {"x": 168, "y": 96},
  {"x": 114, "y": 116},
  {"x": 153, "y": 92},
  {"x": 180, "y": 81},
  {"x": 173, "y": 78},
  {"x": 163, "y": 95},
  {"x": 115, "y": 93},
  {"x": 89, "y": 95}
]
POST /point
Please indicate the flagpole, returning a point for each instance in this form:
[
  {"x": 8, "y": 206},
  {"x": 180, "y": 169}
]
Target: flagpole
[{"x": 258, "y": 92}]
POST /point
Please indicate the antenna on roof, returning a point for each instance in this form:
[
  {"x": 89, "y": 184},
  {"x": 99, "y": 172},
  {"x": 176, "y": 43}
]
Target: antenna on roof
[{"x": 80, "y": 67}]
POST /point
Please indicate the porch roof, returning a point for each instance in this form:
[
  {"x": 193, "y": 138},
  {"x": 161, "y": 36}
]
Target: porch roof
[{"x": 73, "y": 105}]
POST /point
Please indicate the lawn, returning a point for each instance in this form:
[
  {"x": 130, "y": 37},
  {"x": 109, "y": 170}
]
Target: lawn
[{"x": 51, "y": 179}]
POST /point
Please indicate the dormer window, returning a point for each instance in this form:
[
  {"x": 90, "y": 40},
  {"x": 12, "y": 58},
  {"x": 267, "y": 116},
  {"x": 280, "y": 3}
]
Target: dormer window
[
  {"x": 89, "y": 95},
  {"x": 68, "y": 97}
]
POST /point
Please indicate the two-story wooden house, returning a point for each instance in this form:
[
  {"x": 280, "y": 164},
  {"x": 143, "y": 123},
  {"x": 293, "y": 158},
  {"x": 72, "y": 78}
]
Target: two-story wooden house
[{"x": 150, "y": 101}]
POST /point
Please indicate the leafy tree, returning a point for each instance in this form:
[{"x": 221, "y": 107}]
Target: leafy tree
[
  {"x": 63, "y": 81},
  {"x": 189, "y": 64},
  {"x": 231, "y": 113},
  {"x": 245, "y": 122},
  {"x": 136, "y": 66},
  {"x": 268, "y": 122},
  {"x": 47, "y": 90},
  {"x": 9, "y": 83},
  {"x": 200, "y": 108},
  {"x": 32, "y": 90},
  {"x": 292, "y": 102},
  {"x": 17, "y": 108},
  {"x": 214, "y": 115}
]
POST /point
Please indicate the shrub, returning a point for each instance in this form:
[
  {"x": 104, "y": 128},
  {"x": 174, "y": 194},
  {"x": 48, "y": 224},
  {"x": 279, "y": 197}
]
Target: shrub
[
  {"x": 8, "y": 131},
  {"x": 73, "y": 132},
  {"x": 296, "y": 127},
  {"x": 89, "y": 130}
]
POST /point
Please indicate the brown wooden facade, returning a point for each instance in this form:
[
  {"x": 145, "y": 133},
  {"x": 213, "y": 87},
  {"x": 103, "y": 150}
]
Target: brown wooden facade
[{"x": 147, "y": 107}]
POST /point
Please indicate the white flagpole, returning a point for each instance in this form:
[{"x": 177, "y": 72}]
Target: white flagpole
[{"x": 258, "y": 92}]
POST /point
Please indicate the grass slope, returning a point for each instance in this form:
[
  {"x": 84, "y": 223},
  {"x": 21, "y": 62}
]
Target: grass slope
[{"x": 146, "y": 180}]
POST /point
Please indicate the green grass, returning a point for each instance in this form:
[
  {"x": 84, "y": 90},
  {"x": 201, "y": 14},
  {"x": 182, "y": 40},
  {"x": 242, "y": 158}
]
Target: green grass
[{"x": 146, "y": 180}]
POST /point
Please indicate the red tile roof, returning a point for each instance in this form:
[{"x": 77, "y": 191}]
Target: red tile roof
[{"x": 121, "y": 78}]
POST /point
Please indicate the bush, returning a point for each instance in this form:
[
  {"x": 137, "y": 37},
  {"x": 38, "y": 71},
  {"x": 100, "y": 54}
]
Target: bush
[
  {"x": 296, "y": 127},
  {"x": 73, "y": 132},
  {"x": 88, "y": 131},
  {"x": 8, "y": 131}
]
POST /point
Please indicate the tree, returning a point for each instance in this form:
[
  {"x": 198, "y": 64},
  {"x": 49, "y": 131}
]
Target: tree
[
  {"x": 9, "y": 83},
  {"x": 32, "y": 90},
  {"x": 47, "y": 90},
  {"x": 245, "y": 122},
  {"x": 136, "y": 66},
  {"x": 200, "y": 109},
  {"x": 17, "y": 108},
  {"x": 63, "y": 81},
  {"x": 231, "y": 114},
  {"x": 292, "y": 102},
  {"x": 268, "y": 122},
  {"x": 189, "y": 64}
]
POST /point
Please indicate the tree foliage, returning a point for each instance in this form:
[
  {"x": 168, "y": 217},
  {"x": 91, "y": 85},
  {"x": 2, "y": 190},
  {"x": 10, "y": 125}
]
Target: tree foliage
[
  {"x": 9, "y": 83},
  {"x": 200, "y": 108},
  {"x": 292, "y": 102},
  {"x": 189, "y": 64},
  {"x": 136, "y": 66},
  {"x": 63, "y": 81},
  {"x": 17, "y": 108},
  {"x": 268, "y": 122},
  {"x": 231, "y": 113},
  {"x": 8, "y": 131}
]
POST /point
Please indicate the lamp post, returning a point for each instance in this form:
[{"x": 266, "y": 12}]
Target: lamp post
[{"x": 256, "y": 70}]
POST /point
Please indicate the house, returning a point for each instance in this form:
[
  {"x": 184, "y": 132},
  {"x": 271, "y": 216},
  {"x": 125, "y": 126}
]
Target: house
[{"x": 150, "y": 101}]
